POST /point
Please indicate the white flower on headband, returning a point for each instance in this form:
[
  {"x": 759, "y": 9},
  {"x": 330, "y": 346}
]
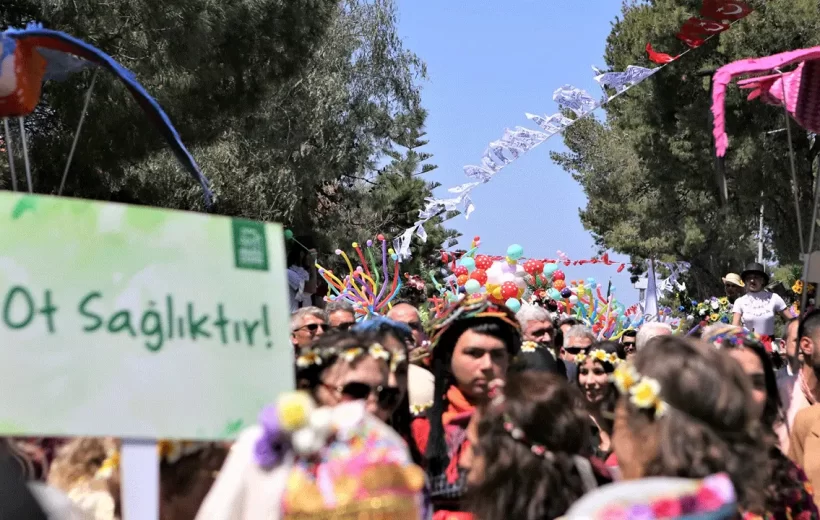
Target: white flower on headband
[
  {"x": 397, "y": 359},
  {"x": 529, "y": 346},
  {"x": 309, "y": 358},
  {"x": 379, "y": 352},
  {"x": 351, "y": 354}
]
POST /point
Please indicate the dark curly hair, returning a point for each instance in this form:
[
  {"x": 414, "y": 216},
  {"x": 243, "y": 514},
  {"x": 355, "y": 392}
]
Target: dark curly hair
[
  {"x": 516, "y": 483},
  {"x": 709, "y": 426}
]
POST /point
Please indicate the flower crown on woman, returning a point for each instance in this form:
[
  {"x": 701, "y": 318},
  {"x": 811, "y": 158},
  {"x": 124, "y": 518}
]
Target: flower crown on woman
[
  {"x": 314, "y": 356},
  {"x": 598, "y": 355}
]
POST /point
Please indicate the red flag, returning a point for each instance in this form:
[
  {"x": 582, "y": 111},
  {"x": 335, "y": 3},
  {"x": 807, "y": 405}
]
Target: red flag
[
  {"x": 725, "y": 9},
  {"x": 702, "y": 28},
  {"x": 658, "y": 57},
  {"x": 692, "y": 41}
]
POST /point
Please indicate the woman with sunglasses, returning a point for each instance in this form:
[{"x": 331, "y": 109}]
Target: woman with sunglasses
[
  {"x": 472, "y": 342},
  {"x": 346, "y": 366},
  {"x": 786, "y": 493}
]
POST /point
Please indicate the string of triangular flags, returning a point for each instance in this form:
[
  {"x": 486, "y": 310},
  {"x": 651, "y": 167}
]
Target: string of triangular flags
[{"x": 520, "y": 140}]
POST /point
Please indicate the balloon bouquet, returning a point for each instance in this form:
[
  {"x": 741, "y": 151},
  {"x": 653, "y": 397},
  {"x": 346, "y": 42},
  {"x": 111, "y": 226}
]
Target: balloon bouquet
[
  {"x": 363, "y": 286},
  {"x": 512, "y": 280}
]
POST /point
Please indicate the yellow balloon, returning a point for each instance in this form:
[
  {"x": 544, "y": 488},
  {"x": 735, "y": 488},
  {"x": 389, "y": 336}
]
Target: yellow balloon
[
  {"x": 520, "y": 293},
  {"x": 496, "y": 293},
  {"x": 581, "y": 291}
]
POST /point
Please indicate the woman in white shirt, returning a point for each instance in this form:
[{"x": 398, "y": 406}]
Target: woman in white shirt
[{"x": 757, "y": 309}]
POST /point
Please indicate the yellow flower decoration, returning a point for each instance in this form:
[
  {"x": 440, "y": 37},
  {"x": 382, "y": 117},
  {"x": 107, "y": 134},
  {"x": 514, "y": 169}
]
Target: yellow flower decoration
[
  {"x": 625, "y": 377},
  {"x": 723, "y": 300},
  {"x": 646, "y": 394},
  {"x": 351, "y": 354},
  {"x": 714, "y": 317},
  {"x": 379, "y": 352},
  {"x": 529, "y": 346},
  {"x": 418, "y": 409},
  {"x": 294, "y": 410},
  {"x": 109, "y": 466},
  {"x": 600, "y": 355},
  {"x": 309, "y": 358},
  {"x": 580, "y": 358},
  {"x": 797, "y": 288},
  {"x": 614, "y": 359}
]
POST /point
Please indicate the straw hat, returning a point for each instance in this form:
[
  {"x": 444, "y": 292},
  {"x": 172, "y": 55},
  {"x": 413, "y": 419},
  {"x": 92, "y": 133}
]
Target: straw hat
[{"x": 734, "y": 279}]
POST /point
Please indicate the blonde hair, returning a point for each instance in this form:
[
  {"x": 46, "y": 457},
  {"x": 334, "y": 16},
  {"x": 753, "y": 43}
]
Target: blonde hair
[{"x": 79, "y": 460}]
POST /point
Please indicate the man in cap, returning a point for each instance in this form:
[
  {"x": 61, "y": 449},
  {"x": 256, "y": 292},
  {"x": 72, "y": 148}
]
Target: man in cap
[{"x": 733, "y": 286}]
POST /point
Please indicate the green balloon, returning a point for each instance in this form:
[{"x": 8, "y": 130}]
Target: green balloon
[{"x": 288, "y": 234}]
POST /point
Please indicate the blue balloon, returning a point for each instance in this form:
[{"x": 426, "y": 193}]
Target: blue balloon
[
  {"x": 591, "y": 282},
  {"x": 612, "y": 290},
  {"x": 515, "y": 251},
  {"x": 469, "y": 263},
  {"x": 554, "y": 294},
  {"x": 513, "y": 304},
  {"x": 549, "y": 269},
  {"x": 472, "y": 286}
]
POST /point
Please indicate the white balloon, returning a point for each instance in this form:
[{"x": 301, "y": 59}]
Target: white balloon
[{"x": 507, "y": 277}]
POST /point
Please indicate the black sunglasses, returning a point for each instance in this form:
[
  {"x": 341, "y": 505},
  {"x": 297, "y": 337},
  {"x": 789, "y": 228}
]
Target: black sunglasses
[
  {"x": 344, "y": 326},
  {"x": 386, "y": 396},
  {"x": 541, "y": 332},
  {"x": 415, "y": 325},
  {"x": 313, "y": 327},
  {"x": 574, "y": 350}
]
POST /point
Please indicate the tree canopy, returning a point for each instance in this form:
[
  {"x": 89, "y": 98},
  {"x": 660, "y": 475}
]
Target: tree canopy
[
  {"x": 305, "y": 112},
  {"x": 649, "y": 168}
]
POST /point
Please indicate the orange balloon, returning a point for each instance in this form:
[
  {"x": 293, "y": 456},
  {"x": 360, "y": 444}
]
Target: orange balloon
[
  {"x": 559, "y": 285},
  {"x": 461, "y": 280}
]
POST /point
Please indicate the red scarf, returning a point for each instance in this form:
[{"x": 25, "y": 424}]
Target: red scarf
[{"x": 458, "y": 408}]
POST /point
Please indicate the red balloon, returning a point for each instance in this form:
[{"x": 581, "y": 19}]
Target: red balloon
[
  {"x": 559, "y": 275},
  {"x": 479, "y": 275},
  {"x": 460, "y": 271},
  {"x": 462, "y": 279},
  {"x": 509, "y": 290},
  {"x": 483, "y": 262}
]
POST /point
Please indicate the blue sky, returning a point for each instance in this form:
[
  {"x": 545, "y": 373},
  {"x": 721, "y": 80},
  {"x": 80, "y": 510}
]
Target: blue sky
[{"x": 488, "y": 64}]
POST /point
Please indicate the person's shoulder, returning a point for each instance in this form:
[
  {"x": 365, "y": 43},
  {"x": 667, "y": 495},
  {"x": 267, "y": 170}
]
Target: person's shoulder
[{"x": 805, "y": 418}]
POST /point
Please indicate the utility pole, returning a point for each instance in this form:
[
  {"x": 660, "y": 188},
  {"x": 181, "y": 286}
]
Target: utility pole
[{"x": 760, "y": 233}]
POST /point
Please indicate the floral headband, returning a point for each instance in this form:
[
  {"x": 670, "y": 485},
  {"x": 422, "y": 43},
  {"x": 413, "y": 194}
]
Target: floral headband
[
  {"x": 731, "y": 336},
  {"x": 644, "y": 392},
  {"x": 313, "y": 356},
  {"x": 472, "y": 307},
  {"x": 530, "y": 346},
  {"x": 599, "y": 355}
]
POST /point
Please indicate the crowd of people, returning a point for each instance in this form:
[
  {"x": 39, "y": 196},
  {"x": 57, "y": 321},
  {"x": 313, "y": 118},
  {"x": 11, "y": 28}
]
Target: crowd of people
[{"x": 487, "y": 414}]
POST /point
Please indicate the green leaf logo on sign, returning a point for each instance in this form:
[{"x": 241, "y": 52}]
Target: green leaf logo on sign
[{"x": 250, "y": 248}]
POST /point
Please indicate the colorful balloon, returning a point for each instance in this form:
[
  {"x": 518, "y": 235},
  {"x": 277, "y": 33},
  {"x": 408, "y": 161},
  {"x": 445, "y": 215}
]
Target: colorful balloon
[
  {"x": 559, "y": 285},
  {"x": 462, "y": 279},
  {"x": 566, "y": 292},
  {"x": 515, "y": 252},
  {"x": 509, "y": 290},
  {"x": 469, "y": 263},
  {"x": 472, "y": 286},
  {"x": 513, "y": 304},
  {"x": 559, "y": 275},
  {"x": 483, "y": 262},
  {"x": 460, "y": 270},
  {"x": 549, "y": 269},
  {"x": 479, "y": 275}
]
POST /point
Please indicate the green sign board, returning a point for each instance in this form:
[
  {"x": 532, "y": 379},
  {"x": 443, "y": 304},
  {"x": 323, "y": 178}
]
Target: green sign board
[{"x": 137, "y": 322}]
